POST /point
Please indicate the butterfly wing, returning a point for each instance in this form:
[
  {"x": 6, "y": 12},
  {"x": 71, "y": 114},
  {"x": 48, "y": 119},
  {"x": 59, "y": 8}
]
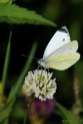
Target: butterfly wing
[
  {"x": 60, "y": 38},
  {"x": 62, "y": 61},
  {"x": 68, "y": 47}
]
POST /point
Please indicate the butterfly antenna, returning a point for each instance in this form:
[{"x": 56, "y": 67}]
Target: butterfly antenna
[{"x": 30, "y": 57}]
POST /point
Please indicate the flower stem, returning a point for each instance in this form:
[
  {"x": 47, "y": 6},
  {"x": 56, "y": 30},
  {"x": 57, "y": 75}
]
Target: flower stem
[{"x": 27, "y": 111}]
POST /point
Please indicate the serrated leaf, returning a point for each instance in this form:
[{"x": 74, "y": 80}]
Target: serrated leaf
[
  {"x": 18, "y": 15},
  {"x": 68, "y": 117},
  {"x": 5, "y": 112}
]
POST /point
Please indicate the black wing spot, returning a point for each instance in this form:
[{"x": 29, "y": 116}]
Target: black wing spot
[{"x": 63, "y": 39}]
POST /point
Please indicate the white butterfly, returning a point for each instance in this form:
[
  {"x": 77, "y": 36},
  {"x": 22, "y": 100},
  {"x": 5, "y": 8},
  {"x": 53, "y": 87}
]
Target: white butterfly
[{"x": 60, "y": 53}]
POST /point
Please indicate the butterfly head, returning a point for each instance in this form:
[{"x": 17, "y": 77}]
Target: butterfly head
[{"x": 42, "y": 63}]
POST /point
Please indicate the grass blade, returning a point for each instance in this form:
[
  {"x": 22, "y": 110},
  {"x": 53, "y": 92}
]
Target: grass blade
[
  {"x": 19, "y": 82},
  {"x": 5, "y": 69}
]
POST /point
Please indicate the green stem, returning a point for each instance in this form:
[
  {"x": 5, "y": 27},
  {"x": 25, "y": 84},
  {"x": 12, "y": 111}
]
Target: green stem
[
  {"x": 5, "y": 69},
  {"x": 54, "y": 101},
  {"x": 27, "y": 111}
]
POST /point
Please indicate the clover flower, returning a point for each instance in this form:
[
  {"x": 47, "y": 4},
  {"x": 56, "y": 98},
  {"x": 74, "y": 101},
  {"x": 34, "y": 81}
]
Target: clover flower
[{"x": 40, "y": 84}]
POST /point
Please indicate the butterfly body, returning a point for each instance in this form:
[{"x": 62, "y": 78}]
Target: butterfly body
[{"x": 60, "y": 53}]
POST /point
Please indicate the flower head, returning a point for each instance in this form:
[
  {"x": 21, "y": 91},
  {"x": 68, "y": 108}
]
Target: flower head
[{"x": 40, "y": 84}]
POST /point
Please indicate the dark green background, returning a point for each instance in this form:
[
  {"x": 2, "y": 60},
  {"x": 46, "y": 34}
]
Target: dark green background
[{"x": 67, "y": 13}]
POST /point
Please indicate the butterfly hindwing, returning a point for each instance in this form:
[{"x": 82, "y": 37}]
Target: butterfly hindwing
[{"x": 62, "y": 61}]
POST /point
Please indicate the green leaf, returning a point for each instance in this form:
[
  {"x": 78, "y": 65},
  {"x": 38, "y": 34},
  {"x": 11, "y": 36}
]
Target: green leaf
[
  {"x": 5, "y": 1},
  {"x": 68, "y": 117},
  {"x": 18, "y": 15},
  {"x": 5, "y": 112}
]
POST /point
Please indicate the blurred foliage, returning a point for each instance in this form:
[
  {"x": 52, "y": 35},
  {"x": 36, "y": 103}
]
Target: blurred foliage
[
  {"x": 67, "y": 116},
  {"x": 5, "y": 1},
  {"x": 60, "y": 12},
  {"x": 5, "y": 112}
]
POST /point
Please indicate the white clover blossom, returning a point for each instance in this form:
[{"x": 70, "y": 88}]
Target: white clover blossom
[{"x": 40, "y": 84}]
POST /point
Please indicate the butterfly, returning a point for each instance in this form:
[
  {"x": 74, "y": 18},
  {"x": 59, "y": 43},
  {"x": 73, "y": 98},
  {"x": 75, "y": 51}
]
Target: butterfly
[{"x": 60, "y": 52}]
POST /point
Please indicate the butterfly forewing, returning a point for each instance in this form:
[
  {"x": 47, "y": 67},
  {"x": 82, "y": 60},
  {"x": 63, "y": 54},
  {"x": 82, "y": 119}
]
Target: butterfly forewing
[
  {"x": 60, "y": 38},
  {"x": 62, "y": 61},
  {"x": 68, "y": 47}
]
